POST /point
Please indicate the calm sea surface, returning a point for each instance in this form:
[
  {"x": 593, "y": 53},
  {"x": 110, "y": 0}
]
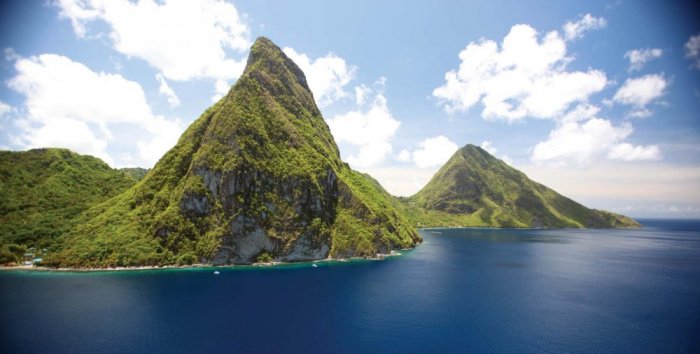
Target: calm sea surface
[{"x": 470, "y": 290}]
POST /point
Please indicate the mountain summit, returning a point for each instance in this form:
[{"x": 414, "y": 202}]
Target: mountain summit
[
  {"x": 257, "y": 177},
  {"x": 476, "y": 189}
]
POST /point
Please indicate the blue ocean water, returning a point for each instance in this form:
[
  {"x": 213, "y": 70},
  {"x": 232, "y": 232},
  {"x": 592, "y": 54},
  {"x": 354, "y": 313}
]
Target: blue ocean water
[{"x": 463, "y": 290}]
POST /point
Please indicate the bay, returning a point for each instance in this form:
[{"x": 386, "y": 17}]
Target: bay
[{"x": 462, "y": 290}]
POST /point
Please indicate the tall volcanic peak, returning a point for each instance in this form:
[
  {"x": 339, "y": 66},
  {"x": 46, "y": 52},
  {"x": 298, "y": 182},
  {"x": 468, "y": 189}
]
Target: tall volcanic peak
[
  {"x": 257, "y": 177},
  {"x": 476, "y": 189}
]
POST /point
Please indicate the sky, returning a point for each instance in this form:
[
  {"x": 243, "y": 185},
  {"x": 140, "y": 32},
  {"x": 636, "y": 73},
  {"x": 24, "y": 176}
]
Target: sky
[{"x": 599, "y": 100}]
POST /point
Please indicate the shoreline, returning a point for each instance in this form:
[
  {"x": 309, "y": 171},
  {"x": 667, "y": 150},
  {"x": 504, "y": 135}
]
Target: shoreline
[
  {"x": 32, "y": 268},
  {"x": 428, "y": 228}
]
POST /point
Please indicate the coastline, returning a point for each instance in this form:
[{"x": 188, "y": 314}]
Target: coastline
[
  {"x": 203, "y": 266},
  {"x": 428, "y": 228}
]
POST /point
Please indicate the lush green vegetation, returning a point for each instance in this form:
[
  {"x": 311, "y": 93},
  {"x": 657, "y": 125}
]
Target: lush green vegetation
[
  {"x": 11, "y": 253},
  {"x": 256, "y": 178},
  {"x": 43, "y": 190},
  {"x": 137, "y": 173},
  {"x": 475, "y": 189},
  {"x": 368, "y": 221},
  {"x": 260, "y": 164}
]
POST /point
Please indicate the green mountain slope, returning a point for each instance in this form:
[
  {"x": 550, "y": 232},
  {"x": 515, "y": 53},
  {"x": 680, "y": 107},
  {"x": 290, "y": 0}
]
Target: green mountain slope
[
  {"x": 42, "y": 190},
  {"x": 257, "y": 177},
  {"x": 137, "y": 173},
  {"x": 476, "y": 189}
]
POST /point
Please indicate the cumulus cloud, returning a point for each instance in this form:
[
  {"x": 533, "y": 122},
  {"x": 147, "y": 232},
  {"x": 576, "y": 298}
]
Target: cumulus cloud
[
  {"x": 56, "y": 86},
  {"x": 327, "y": 75},
  {"x": 221, "y": 88},
  {"x": 370, "y": 131},
  {"x": 525, "y": 76},
  {"x": 68, "y": 133},
  {"x": 692, "y": 50},
  {"x": 641, "y": 91},
  {"x": 69, "y": 105},
  {"x": 370, "y": 155},
  {"x": 182, "y": 39},
  {"x": 361, "y": 93},
  {"x": 164, "y": 136},
  {"x": 404, "y": 155},
  {"x": 165, "y": 90},
  {"x": 434, "y": 152},
  {"x": 4, "y": 108},
  {"x": 585, "y": 23},
  {"x": 639, "y": 57},
  {"x": 580, "y": 141},
  {"x": 629, "y": 152},
  {"x": 581, "y": 112}
]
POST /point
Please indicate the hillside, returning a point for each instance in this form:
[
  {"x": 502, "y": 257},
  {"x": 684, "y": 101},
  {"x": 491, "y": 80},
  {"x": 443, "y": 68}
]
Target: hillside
[
  {"x": 257, "y": 177},
  {"x": 476, "y": 189},
  {"x": 137, "y": 173},
  {"x": 44, "y": 189}
]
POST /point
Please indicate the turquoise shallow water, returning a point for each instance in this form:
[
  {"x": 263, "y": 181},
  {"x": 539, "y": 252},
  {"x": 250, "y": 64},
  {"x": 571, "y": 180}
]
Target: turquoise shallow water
[{"x": 463, "y": 290}]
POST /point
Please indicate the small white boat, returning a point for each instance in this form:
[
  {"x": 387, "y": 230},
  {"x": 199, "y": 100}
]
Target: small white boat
[
  {"x": 216, "y": 272},
  {"x": 314, "y": 265}
]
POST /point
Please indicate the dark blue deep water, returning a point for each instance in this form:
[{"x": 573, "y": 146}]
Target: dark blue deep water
[{"x": 471, "y": 290}]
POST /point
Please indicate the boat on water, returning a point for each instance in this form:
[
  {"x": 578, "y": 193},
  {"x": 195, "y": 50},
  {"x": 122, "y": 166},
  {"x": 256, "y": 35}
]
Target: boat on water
[
  {"x": 216, "y": 272},
  {"x": 314, "y": 265}
]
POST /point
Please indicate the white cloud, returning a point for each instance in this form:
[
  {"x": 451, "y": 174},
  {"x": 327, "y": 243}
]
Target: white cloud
[
  {"x": 182, "y": 39},
  {"x": 523, "y": 77},
  {"x": 434, "y": 152},
  {"x": 327, "y": 76},
  {"x": 361, "y": 93},
  {"x": 639, "y": 57},
  {"x": 692, "y": 50},
  {"x": 581, "y": 112},
  {"x": 641, "y": 91},
  {"x": 4, "y": 108},
  {"x": 371, "y": 131},
  {"x": 165, "y": 90},
  {"x": 404, "y": 156},
  {"x": 69, "y": 105},
  {"x": 639, "y": 113},
  {"x": 579, "y": 142},
  {"x": 165, "y": 135},
  {"x": 582, "y": 141},
  {"x": 576, "y": 29},
  {"x": 56, "y": 86},
  {"x": 68, "y": 133},
  {"x": 628, "y": 152},
  {"x": 221, "y": 88},
  {"x": 371, "y": 154}
]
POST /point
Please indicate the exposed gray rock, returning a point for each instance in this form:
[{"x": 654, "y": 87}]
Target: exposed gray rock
[
  {"x": 305, "y": 250},
  {"x": 285, "y": 236},
  {"x": 212, "y": 179},
  {"x": 199, "y": 204}
]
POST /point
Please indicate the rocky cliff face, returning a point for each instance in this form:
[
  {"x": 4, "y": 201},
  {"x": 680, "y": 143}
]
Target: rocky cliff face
[
  {"x": 257, "y": 177},
  {"x": 266, "y": 215}
]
